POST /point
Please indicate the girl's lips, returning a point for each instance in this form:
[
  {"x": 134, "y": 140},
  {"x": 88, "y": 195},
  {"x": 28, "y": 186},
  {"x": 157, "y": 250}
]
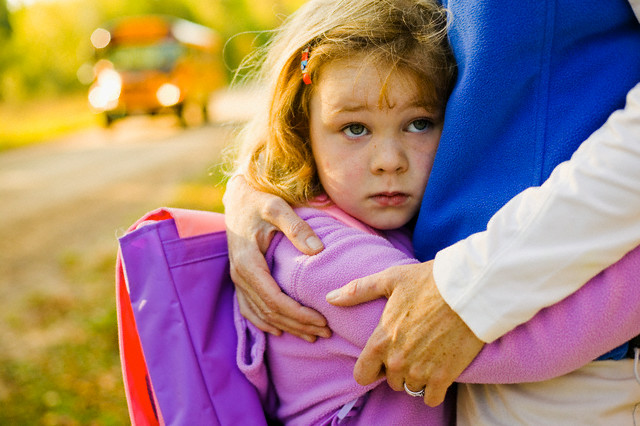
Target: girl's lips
[{"x": 390, "y": 199}]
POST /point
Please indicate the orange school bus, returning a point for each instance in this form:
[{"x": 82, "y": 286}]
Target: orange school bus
[{"x": 155, "y": 64}]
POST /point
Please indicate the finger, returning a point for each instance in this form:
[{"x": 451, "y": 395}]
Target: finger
[
  {"x": 269, "y": 300},
  {"x": 281, "y": 215},
  {"x": 362, "y": 290},
  {"x": 435, "y": 391},
  {"x": 276, "y": 329},
  {"x": 365, "y": 374},
  {"x": 434, "y": 397},
  {"x": 296, "y": 319},
  {"x": 271, "y": 305},
  {"x": 396, "y": 373},
  {"x": 249, "y": 312},
  {"x": 279, "y": 323},
  {"x": 245, "y": 226},
  {"x": 370, "y": 366}
]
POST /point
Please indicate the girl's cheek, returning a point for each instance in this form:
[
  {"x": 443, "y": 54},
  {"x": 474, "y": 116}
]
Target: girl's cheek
[{"x": 353, "y": 171}]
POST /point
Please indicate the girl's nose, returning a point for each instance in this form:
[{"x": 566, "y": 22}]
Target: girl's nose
[{"x": 389, "y": 157}]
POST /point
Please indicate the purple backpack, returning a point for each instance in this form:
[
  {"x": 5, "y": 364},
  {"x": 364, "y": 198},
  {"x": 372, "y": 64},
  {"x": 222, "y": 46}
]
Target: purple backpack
[{"x": 175, "y": 321}]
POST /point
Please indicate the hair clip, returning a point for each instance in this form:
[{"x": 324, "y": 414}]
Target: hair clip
[{"x": 305, "y": 61}]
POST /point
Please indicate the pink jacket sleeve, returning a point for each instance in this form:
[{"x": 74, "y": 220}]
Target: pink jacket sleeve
[
  {"x": 600, "y": 316},
  {"x": 328, "y": 363},
  {"x": 350, "y": 254}
]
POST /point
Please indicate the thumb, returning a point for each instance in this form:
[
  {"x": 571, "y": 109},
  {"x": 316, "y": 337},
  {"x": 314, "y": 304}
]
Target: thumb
[
  {"x": 361, "y": 290},
  {"x": 282, "y": 216}
]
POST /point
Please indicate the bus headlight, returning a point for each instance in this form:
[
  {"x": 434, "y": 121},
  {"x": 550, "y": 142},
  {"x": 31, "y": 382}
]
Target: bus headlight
[
  {"x": 105, "y": 93},
  {"x": 168, "y": 94}
]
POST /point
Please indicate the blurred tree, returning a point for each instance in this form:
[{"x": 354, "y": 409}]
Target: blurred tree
[
  {"x": 5, "y": 34},
  {"x": 5, "y": 25},
  {"x": 45, "y": 50},
  {"x": 49, "y": 41}
]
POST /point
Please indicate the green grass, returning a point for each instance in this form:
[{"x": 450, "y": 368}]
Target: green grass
[
  {"x": 76, "y": 380},
  {"x": 42, "y": 120}
]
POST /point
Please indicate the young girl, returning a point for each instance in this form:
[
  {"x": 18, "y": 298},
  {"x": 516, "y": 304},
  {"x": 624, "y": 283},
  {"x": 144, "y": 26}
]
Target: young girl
[{"x": 355, "y": 108}]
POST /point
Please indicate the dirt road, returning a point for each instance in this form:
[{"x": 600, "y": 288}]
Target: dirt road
[{"x": 62, "y": 203}]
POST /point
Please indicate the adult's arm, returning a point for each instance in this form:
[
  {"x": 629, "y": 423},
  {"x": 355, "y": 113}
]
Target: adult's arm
[
  {"x": 252, "y": 218},
  {"x": 559, "y": 339},
  {"x": 349, "y": 253},
  {"x": 635, "y": 5},
  {"x": 600, "y": 316},
  {"x": 548, "y": 241},
  {"x": 539, "y": 248}
]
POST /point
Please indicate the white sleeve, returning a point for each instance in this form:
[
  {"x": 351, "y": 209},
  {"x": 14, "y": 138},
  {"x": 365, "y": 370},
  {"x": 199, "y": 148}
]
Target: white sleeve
[
  {"x": 548, "y": 241},
  {"x": 635, "y": 5}
]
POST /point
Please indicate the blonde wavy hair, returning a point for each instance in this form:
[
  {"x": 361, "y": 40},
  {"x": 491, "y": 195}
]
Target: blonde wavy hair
[{"x": 406, "y": 35}]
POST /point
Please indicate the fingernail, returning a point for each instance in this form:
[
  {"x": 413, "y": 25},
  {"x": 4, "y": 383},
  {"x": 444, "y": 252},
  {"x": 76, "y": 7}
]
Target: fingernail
[
  {"x": 314, "y": 243},
  {"x": 326, "y": 334},
  {"x": 333, "y": 295}
]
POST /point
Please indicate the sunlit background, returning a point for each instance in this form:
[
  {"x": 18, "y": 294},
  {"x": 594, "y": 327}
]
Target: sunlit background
[
  {"x": 85, "y": 149},
  {"x": 46, "y": 52}
]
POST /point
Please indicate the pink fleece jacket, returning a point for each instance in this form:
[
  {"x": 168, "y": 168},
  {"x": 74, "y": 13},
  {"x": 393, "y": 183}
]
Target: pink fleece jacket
[{"x": 311, "y": 384}]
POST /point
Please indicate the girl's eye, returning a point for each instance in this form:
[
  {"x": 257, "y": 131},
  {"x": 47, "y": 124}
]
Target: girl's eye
[
  {"x": 418, "y": 126},
  {"x": 355, "y": 130}
]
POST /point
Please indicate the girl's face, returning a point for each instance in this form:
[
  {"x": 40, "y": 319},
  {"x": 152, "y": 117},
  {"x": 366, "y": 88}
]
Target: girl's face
[{"x": 373, "y": 154}]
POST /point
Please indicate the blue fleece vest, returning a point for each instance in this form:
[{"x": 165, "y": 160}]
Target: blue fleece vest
[{"x": 535, "y": 79}]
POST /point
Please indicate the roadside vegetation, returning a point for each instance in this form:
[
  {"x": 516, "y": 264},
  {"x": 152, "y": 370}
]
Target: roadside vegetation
[
  {"x": 43, "y": 120},
  {"x": 77, "y": 380},
  {"x": 45, "y": 52}
]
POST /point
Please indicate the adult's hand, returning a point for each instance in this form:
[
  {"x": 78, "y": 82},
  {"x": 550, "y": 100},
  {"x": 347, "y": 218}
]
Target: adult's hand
[
  {"x": 419, "y": 341},
  {"x": 252, "y": 219}
]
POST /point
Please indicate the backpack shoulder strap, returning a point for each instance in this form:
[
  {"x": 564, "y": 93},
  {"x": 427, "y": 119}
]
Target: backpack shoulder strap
[{"x": 189, "y": 223}]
